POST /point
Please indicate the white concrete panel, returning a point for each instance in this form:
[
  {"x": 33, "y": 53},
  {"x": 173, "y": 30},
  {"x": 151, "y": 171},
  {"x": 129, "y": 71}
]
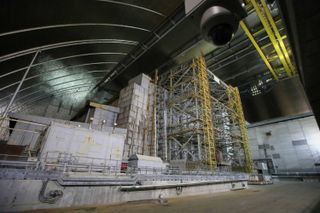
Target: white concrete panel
[
  {"x": 293, "y": 157},
  {"x": 306, "y": 163},
  {"x": 82, "y": 143}
]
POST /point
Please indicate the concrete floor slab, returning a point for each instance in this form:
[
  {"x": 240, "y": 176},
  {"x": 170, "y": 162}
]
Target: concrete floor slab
[{"x": 281, "y": 197}]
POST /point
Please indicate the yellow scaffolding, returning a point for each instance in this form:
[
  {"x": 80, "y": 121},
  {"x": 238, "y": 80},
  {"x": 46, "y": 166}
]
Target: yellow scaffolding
[
  {"x": 270, "y": 27},
  {"x": 278, "y": 37},
  {"x": 237, "y": 116},
  {"x": 201, "y": 120},
  {"x": 206, "y": 115}
]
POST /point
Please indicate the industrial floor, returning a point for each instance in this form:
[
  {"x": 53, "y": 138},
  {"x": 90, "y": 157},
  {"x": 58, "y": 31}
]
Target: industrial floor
[{"x": 288, "y": 197}]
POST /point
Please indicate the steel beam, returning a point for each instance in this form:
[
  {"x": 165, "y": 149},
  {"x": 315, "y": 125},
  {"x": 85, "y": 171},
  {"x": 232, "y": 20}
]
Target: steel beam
[
  {"x": 133, "y": 6},
  {"x": 81, "y": 79},
  {"x": 278, "y": 36},
  {"x": 62, "y": 58},
  {"x": 256, "y": 45},
  {"x": 66, "y": 44},
  {"x": 35, "y": 85},
  {"x": 72, "y": 25},
  {"x": 41, "y": 97},
  {"x": 19, "y": 86},
  {"x": 262, "y": 16},
  {"x": 143, "y": 47},
  {"x": 57, "y": 69}
]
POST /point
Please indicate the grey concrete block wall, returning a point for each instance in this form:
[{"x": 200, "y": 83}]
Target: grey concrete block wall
[
  {"x": 108, "y": 115},
  {"x": 135, "y": 115},
  {"x": 294, "y": 145},
  {"x": 4, "y": 131}
]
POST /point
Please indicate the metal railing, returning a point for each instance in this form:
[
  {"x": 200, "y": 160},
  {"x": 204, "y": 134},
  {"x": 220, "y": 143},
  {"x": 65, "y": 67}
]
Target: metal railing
[{"x": 65, "y": 165}]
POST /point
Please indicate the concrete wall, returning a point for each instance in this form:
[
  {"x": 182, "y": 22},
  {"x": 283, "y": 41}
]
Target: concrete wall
[
  {"x": 86, "y": 145},
  {"x": 135, "y": 115},
  {"x": 102, "y": 114},
  {"x": 24, "y": 138},
  {"x": 29, "y": 138},
  {"x": 4, "y": 132},
  {"x": 19, "y": 195},
  {"x": 294, "y": 145}
]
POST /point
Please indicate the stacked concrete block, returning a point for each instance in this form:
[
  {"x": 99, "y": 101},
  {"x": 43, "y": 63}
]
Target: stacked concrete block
[
  {"x": 142, "y": 80},
  {"x": 102, "y": 115},
  {"x": 4, "y": 131},
  {"x": 134, "y": 103},
  {"x": 151, "y": 133}
]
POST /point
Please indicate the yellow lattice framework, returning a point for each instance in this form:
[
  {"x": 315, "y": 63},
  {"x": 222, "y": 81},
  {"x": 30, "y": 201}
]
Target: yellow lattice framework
[
  {"x": 201, "y": 120},
  {"x": 206, "y": 111},
  {"x": 237, "y": 116},
  {"x": 281, "y": 50}
]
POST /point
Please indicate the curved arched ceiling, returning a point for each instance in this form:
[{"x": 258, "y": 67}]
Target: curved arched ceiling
[
  {"x": 79, "y": 42},
  {"x": 89, "y": 49}
]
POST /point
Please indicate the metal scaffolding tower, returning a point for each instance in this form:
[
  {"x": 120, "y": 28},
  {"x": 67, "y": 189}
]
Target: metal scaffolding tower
[
  {"x": 231, "y": 138},
  {"x": 241, "y": 133},
  {"x": 200, "y": 119},
  {"x": 184, "y": 116}
]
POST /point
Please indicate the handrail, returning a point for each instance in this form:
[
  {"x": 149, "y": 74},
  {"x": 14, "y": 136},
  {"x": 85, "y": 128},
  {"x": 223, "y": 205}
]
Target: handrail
[{"x": 54, "y": 166}]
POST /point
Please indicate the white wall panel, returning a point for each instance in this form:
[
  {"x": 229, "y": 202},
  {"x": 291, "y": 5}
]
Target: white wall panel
[
  {"x": 300, "y": 155},
  {"x": 86, "y": 145}
]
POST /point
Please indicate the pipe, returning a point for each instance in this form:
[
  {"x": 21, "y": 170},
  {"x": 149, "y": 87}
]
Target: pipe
[{"x": 170, "y": 186}]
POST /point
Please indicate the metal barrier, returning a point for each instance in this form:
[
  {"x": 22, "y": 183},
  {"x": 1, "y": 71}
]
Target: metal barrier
[{"x": 63, "y": 166}]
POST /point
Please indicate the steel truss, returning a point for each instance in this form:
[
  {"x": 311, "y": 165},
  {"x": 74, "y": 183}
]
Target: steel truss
[
  {"x": 200, "y": 119},
  {"x": 279, "y": 50},
  {"x": 240, "y": 133}
]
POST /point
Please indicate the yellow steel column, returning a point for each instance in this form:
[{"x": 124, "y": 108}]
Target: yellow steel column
[
  {"x": 237, "y": 117},
  {"x": 256, "y": 45},
  {"x": 243, "y": 130},
  {"x": 206, "y": 111}
]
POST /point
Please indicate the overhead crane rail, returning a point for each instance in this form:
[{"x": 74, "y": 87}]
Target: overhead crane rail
[{"x": 279, "y": 50}]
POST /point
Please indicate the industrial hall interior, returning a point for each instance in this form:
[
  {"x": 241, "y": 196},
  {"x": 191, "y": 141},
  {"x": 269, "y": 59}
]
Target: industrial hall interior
[{"x": 139, "y": 106}]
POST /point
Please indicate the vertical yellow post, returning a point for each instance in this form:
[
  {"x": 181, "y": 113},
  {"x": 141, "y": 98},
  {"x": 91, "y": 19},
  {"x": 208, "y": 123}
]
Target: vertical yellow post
[
  {"x": 206, "y": 111},
  {"x": 239, "y": 117}
]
